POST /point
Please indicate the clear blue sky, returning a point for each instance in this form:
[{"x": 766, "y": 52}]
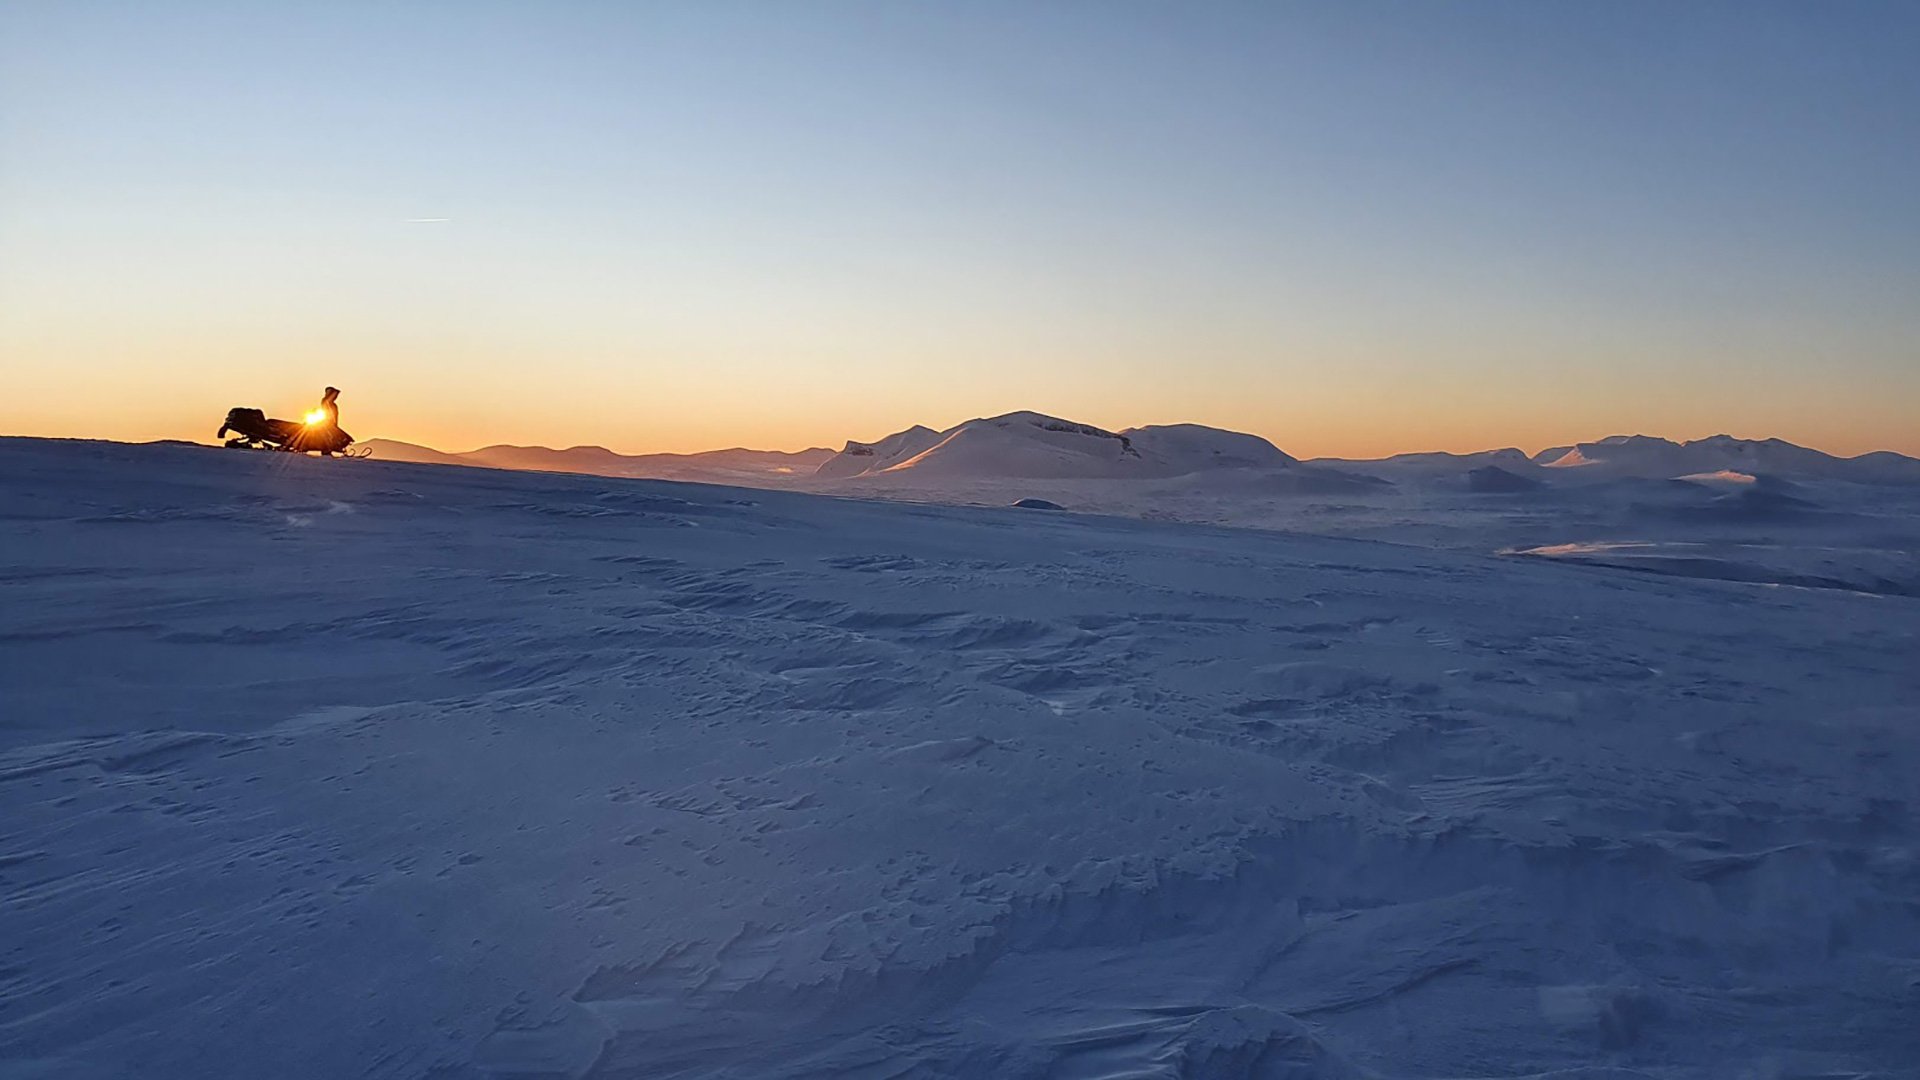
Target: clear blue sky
[{"x": 1352, "y": 228}]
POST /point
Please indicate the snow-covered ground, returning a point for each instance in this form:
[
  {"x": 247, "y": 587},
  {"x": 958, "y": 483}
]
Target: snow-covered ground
[{"x": 334, "y": 769}]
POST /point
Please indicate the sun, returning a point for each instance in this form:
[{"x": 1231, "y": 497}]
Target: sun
[{"x": 315, "y": 417}]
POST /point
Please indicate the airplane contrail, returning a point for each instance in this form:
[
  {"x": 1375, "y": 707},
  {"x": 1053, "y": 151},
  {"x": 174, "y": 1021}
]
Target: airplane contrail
[{"x": 424, "y": 220}]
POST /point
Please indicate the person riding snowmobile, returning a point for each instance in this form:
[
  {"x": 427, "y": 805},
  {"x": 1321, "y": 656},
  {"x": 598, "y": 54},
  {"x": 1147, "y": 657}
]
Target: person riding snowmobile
[
  {"x": 322, "y": 429},
  {"x": 319, "y": 430}
]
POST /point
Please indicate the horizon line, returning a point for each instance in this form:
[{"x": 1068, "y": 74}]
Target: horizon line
[{"x": 1530, "y": 453}]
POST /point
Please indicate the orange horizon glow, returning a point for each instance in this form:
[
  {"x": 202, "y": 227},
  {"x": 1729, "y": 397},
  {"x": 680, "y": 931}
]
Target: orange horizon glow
[
  {"x": 1325, "y": 397},
  {"x": 474, "y": 423}
]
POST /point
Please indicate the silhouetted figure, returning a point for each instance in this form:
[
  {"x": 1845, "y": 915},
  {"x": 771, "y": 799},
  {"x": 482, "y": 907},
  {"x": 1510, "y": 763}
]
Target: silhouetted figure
[{"x": 320, "y": 431}]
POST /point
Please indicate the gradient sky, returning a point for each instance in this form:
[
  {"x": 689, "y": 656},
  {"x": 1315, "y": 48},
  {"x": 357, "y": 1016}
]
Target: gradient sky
[{"x": 1353, "y": 228}]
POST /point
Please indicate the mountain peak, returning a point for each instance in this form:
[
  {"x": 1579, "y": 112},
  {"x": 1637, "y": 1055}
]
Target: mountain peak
[{"x": 1029, "y": 444}]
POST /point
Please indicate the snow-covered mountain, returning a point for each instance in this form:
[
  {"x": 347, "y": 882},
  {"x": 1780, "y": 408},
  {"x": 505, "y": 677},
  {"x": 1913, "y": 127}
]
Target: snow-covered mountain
[
  {"x": 1631, "y": 457},
  {"x": 1649, "y": 456},
  {"x": 1503, "y": 472},
  {"x": 858, "y": 458},
  {"x": 1031, "y": 445},
  {"x": 1511, "y": 459},
  {"x": 1189, "y": 448}
]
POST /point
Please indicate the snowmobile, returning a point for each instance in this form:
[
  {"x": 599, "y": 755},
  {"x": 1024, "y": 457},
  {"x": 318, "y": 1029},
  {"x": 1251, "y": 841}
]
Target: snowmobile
[{"x": 253, "y": 430}]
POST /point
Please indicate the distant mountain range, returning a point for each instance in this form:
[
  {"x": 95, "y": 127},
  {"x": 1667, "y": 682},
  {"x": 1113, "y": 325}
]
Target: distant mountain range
[
  {"x": 754, "y": 468},
  {"x": 1646, "y": 455},
  {"x": 1031, "y": 446}
]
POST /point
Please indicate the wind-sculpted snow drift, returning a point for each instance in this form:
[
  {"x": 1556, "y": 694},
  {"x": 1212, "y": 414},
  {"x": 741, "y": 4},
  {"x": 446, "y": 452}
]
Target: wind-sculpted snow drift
[{"x": 324, "y": 770}]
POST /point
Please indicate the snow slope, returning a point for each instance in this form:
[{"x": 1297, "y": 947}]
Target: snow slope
[
  {"x": 858, "y": 459},
  {"x": 1440, "y": 463},
  {"x": 1865, "y": 570},
  {"x": 321, "y": 769},
  {"x": 1190, "y": 448},
  {"x": 1494, "y": 480}
]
